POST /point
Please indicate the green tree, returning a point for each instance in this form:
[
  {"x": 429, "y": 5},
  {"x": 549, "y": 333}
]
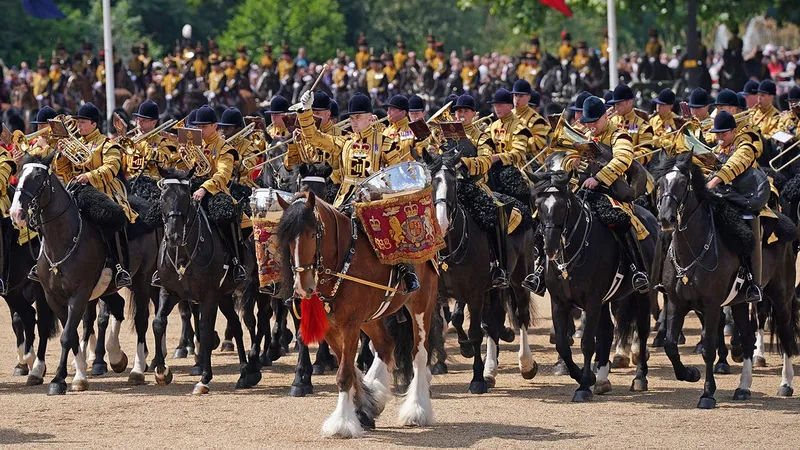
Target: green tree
[{"x": 316, "y": 25}]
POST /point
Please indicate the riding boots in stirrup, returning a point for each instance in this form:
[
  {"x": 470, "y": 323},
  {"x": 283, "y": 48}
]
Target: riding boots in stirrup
[
  {"x": 534, "y": 282},
  {"x": 4, "y": 251},
  {"x": 754, "y": 293},
  {"x": 497, "y": 242},
  {"x": 123, "y": 277},
  {"x": 239, "y": 274},
  {"x": 409, "y": 275},
  {"x": 639, "y": 279}
]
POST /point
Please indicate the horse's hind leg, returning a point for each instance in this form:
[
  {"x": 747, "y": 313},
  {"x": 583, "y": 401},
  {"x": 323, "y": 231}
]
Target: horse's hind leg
[
  {"x": 89, "y": 340},
  {"x": 741, "y": 319},
  {"x": 324, "y": 360},
  {"x": 457, "y": 319},
  {"x": 141, "y": 292},
  {"x": 605, "y": 337},
  {"x": 722, "y": 367},
  {"x": 186, "y": 343},
  {"x": 166, "y": 302},
  {"x": 246, "y": 379},
  {"x": 643, "y": 306},
  {"x": 115, "y": 305},
  {"x": 70, "y": 342},
  {"x": 46, "y": 324},
  {"x": 197, "y": 369},
  {"x": 262, "y": 328},
  {"x": 785, "y": 313},
  {"x": 276, "y": 349},
  {"x": 478, "y": 385},
  {"x": 377, "y": 379},
  {"x": 227, "y": 342},
  {"x": 759, "y": 358}
]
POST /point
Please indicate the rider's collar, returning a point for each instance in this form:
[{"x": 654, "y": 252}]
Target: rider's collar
[
  {"x": 92, "y": 136},
  {"x": 211, "y": 139}
]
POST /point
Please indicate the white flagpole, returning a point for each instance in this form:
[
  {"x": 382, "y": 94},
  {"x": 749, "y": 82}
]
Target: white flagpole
[
  {"x": 109, "y": 61},
  {"x": 613, "y": 72}
]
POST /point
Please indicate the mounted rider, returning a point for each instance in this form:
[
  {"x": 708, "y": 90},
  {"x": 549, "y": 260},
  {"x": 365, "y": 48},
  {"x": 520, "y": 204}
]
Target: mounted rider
[
  {"x": 157, "y": 150},
  {"x": 361, "y": 154},
  {"x": 104, "y": 171},
  {"x": 664, "y": 121},
  {"x": 528, "y": 117},
  {"x": 321, "y": 107},
  {"x": 229, "y": 124},
  {"x": 627, "y": 119}
]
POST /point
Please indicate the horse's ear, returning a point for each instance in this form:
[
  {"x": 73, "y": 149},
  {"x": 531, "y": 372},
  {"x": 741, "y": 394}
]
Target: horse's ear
[
  {"x": 303, "y": 169},
  {"x": 191, "y": 172},
  {"x": 48, "y": 160},
  {"x": 326, "y": 171},
  {"x": 311, "y": 200},
  {"x": 536, "y": 177},
  {"x": 284, "y": 205},
  {"x": 560, "y": 178},
  {"x": 426, "y": 156}
]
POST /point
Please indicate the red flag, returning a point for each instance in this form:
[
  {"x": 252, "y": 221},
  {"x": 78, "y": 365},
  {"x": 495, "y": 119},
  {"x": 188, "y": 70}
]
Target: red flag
[{"x": 558, "y": 5}]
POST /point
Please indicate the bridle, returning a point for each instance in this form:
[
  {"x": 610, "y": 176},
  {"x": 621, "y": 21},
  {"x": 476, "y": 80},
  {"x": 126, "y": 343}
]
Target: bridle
[
  {"x": 584, "y": 215},
  {"x": 188, "y": 227},
  {"x": 452, "y": 209}
]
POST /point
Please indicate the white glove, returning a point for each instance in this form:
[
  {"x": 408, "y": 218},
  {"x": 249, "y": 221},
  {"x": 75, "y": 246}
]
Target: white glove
[
  {"x": 307, "y": 99},
  {"x": 391, "y": 86}
]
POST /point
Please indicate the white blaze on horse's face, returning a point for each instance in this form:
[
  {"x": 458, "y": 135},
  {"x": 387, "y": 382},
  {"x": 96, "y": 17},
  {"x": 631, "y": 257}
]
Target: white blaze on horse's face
[
  {"x": 300, "y": 290},
  {"x": 441, "y": 203},
  {"x": 16, "y": 206}
]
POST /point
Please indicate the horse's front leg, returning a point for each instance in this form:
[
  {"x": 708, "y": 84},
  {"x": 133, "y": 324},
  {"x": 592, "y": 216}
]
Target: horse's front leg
[
  {"x": 113, "y": 309},
  {"x": 208, "y": 317},
  {"x": 301, "y": 386},
  {"x": 47, "y": 325},
  {"x": 186, "y": 343},
  {"x": 711, "y": 313},
  {"x": 675, "y": 316},
  {"x": 69, "y": 342},
  {"x": 166, "y": 302},
  {"x": 561, "y": 317},
  {"x": 605, "y": 337},
  {"x": 740, "y": 317},
  {"x": 344, "y": 421},
  {"x": 247, "y": 379},
  {"x": 588, "y": 345}
]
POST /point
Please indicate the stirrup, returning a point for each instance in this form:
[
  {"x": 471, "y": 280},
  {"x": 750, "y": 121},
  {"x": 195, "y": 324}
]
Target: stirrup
[
  {"x": 239, "y": 274},
  {"x": 33, "y": 274},
  {"x": 753, "y": 293},
  {"x": 122, "y": 278},
  {"x": 535, "y": 282},
  {"x": 3, "y": 287},
  {"x": 660, "y": 288},
  {"x": 499, "y": 278},
  {"x": 155, "y": 281},
  {"x": 411, "y": 281},
  {"x": 640, "y": 282}
]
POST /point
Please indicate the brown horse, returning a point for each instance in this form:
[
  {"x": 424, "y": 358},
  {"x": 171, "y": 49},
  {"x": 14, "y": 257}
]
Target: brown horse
[{"x": 314, "y": 244}]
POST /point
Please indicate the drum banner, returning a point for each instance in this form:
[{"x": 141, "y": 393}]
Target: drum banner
[
  {"x": 402, "y": 229},
  {"x": 268, "y": 256}
]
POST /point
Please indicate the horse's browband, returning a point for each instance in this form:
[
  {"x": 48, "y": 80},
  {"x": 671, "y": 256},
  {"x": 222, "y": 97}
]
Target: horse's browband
[
  {"x": 37, "y": 166},
  {"x": 313, "y": 179},
  {"x": 174, "y": 181}
]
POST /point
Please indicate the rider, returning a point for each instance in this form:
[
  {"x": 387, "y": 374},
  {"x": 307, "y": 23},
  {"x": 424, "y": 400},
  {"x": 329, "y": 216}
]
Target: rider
[
  {"x": 699, "y": 103},
  {"x": 41, "y": 146},
  {"x": 278, "y": 107},
  {"x": 739, "y": 151},
  {"x": 222, "y": 158},
  {"x": 594, "y": 117},
  {"x": 750, "y": 92},
  {"x": 216, "y": 77},
  {"x": 323, "y": 114},
  {"x": 361, "y": 153},
  {"x": 765, "y": 116},
  {"x": 104, "y": 173},
  {"x": 791, "y": 118},
  {"x": 416, "y": 108},
  {"x": 663, "y": 121},
  {"x": 398, "y": 130},
  {"x": 154, "y": 151},
  {"x": 7, "y": 168},
  {"x": 537, "y": 125},
  {"x": 577, "y": 107},
  {"x": 635, "y": 126},
  {"x": 229, "y": 124}
]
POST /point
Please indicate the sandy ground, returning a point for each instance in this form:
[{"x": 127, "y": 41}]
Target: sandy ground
[{"x": 515, "y": 414}]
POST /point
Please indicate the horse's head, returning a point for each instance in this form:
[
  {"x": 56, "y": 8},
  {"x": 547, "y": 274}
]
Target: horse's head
[
  {"x": 300, "y": 237},
  {"x": 674, "y": 178},
  {"x": 314, "y": 176},
  {"x": 443, "y": 170},
  {"x": 553, "y": 202},
  {"x": 177, "y": 208},
  {"x": 32, "y": 191}
]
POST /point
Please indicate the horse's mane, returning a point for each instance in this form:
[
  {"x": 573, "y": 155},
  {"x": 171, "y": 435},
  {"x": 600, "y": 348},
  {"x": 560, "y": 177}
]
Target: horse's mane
[
  {"x": 296, "y": 218},
  {"x": 685, "y": 163},
  {"x": 38, "y": 159}
]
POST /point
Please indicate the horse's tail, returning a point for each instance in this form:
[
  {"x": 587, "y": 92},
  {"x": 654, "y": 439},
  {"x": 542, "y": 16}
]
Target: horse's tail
[
  {"x": 403, "y": 335},
  {"x": 787, "y": 331},
  {"x": 627, "y": 310},
  {"x": 46, "y": 317},
  {"x": 436, "y": 333}
]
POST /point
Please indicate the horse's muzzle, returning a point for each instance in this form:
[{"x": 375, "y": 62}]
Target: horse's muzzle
[
  {"x": 667, "y": 223},
  {"x": 304, "y": 289},
  {"x": 18, "y": 217}
]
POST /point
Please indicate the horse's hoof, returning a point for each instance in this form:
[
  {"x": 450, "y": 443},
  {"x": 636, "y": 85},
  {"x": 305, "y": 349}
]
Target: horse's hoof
[
  {"x": 163, "y": 379},
  {"x": 578, "y": 334},
  {"x": 200, "y": 389},
  {"x": 582, "y": 396},
  {"x": 180, "y": 353},
  {"x": 552, "y": 338},
  {"x": 478, "y": 387},
  {"x": 33, "y": 380},
  {"x": 440, "y": 368},
  {"x": 227, "y": 347},
  {"x": 242, "y": 383},
  {"x": 741, "y": 394},
  {"x": 57, "y": 388},
  {"x": 366, "y": 420},
  {"x": 467, "y": 351},
  {"x": 785, "y": 391},
  {"x": 707, "y": 403},
  {"x": 253, "y": 378},
  {"x": 759, "y": 361},
  {"x": 190, "y": 351},
  {"x": 602, "y": 387},
  {"x": 196, "y": 371},
  {"x": 490, "y": 381},
  {"x": 274, "y": 353},
  {"x": 21, "y": 370},
  {"x": 531, "y": 373},
  {"x": 722, "y": 368},
  {"x": 216, "y": 343},
  {"x": 507, "y": 335},
  {"x": 698, "y": 349},
  {"x": 99, "y": 369},
  {"x": 136, "y": 379},
  {"x": 318, "y": 369},
  {"x": 301, "y": 391},
  {"x": 79, "y": 385},
  {"x": 737, "y": 353},
  {"x": 264, "y": 361},
  {"x": 150, "y": 367},
  {"x": 692, "y": 375},
  {"x": 560, "y": 369},
  {"x": 121, "y": 365},
  {"x": 620, "y": 362},
  {"x": 728, "y": 330},
  {"x": 639, "y": 385}
]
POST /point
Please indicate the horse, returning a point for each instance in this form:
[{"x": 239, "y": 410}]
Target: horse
[
  {"x": 198, "y": 272},
  {"x": 313, "y": 239},
  {"x": 22, "y": 293},
  {"x": 701, "y": 269},
  {"x": 73, "y": 271},
  {"x": 572, "y": 237}
]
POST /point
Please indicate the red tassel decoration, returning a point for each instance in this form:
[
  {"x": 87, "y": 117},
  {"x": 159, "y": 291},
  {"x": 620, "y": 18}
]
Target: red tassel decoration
[{"x": 314, "y": 322}]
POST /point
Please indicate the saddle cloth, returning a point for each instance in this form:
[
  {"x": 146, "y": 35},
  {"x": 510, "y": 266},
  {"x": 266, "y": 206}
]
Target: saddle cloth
[{"x": 627, "y": 208}]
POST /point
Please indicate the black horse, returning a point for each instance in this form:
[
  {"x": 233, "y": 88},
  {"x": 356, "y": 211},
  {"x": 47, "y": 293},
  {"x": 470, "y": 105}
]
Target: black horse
[
  {"x": 73, "y": 271},
  {"x": 587, "y": 269},
  {"x": 701, "y": 272},
  {"x": 194, "y": 266}
]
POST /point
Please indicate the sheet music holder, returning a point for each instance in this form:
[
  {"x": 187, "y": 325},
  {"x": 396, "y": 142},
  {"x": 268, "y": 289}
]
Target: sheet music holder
[
  {"x": 57, "y": 129},
  {"x": 453, "y": 131},
  {"x": 259, "y": 121},
  {"x": 290, "y": 122},
  {"x": 190, "y": 136},
  {"x": 5, "y": 136},
  {"x": 420, "y": 129}
]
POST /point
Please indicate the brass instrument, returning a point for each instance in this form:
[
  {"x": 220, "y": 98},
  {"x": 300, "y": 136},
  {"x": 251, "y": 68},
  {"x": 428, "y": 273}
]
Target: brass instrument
[
  {"x": 783, "y": 152},
  {"x": 65, "y": 130},
  {"x": 23, "y": 142},
  {"x": 190, "y": 149},
  {"x": 483, "y": 122},
  {"x": 244, "y": 133},
  {"x": 442, "y": 115},
  {"x": 248, "y": 162},
  {"x": 740, "y": 117},
  {"x": 130, "y": 144}
]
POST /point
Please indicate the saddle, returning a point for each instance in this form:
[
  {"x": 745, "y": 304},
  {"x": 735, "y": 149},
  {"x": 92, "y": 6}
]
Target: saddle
[{"x": 749, "y": 191}]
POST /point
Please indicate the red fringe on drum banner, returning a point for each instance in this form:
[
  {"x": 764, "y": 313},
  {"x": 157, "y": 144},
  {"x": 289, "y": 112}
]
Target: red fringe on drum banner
[{"x": 314, "y": 322}]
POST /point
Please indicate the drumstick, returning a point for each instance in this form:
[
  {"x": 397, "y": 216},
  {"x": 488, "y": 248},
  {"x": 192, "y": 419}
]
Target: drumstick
[{"x": 324, "y": 70}]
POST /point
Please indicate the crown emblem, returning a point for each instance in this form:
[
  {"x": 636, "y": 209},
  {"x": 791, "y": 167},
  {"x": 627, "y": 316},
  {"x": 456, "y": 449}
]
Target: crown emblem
[
  {"x": 375, "y": 224},
  {"x": 411, "y": 209}
]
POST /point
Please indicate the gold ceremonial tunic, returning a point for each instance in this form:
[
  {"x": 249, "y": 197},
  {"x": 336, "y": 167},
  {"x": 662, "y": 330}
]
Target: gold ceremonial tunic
[
  {"x": 156, "y": 150},
  {"x": 360, "y": 154},
  {"x": 789, "y": 123},
  {"x": 7, "y": 168},
  {"x": 391, "y": 74},
  {"x": 216, "y": 82},
  {"x": 200, "y": 67},
  {"x": 102, "y": 169},
  {"x": 285, "y": 68},
  {"x": 508, "y": 138},
  {"x": 661, "y": 126},
  {"x": 266, "y": 62},
  {"x": 580, "y": 61},
  {"x": 40, "y": 85},
  {"x": 170, "y": 83},
  {"x": 480, "y": 164},
  {"x": 565, "y": 51},
  {"x": 242, "y": 65},
  {"x": 375, "y": 79},
  {"x": 362, "y": 60},
  {"x": 245, "y": 148},
  {"x": 639, "y": 130},
  {"x": 293, "y": 157},
  {"x": 766, "y": 121},
  {"x": 653, "y": 49},
  {"x": 468, "y": 75},
  {"x": 742, "y": 156},
  {"x": 539, "y": 129},
  {"x": 621, "y": 145},
  {"x": 430, "y": 53},
  {"x": 400, "y": 133},
  {"x": 222, "y": 158},
  {"x": 400, "y": 59}
]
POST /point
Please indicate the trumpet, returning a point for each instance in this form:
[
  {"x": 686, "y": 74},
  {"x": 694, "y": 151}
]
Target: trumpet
[
  {"x": 65, "y": 129},
  {"x": 23, "y": 142},
  {"x": 707, "y": 124},
  {"x": 780, "y": 155},
  {"x": 242, "y": 134},
  {"x": 248, "y": 162},
  {"x": 130, "y": 144},
  {"x": 192, "y": 156}
]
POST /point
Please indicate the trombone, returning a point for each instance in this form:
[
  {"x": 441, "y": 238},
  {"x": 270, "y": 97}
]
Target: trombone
[
  {"x": 65, "y": 130},
  {"x": 23, "y": 142},
  {"x": 129, "y": 144},
  {"x": 781, "y": 154},
  {"x": 244, "y": 133},
  {"x": 247, "y": 163}
]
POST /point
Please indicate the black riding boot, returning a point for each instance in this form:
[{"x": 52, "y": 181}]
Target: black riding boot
[
  {"x": 409, "y": 276},
  {"x": 5, "y": 247},
  {"x": 239, "y": 274},
  {"x": 534, "y": 282},
  {"x": 639, "y": 279},
  {"x": 497, "y": 242},
  {"x": 123, "y": 277},
  {"x": 754, "y": 292}
]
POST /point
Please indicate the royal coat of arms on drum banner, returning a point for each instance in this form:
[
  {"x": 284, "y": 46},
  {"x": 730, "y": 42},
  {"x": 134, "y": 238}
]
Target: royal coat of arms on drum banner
[
  {"x": 265, "y": 236},
  {"x": 402, "y": 228}
]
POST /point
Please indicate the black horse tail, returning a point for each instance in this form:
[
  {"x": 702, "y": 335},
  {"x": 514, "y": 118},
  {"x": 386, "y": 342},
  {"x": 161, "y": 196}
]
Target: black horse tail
[
  {"x": 436, "y": 333},
  {"x": 787, "y": 333},
  {"x": 403, "y": 335},
  {"x": 627, "y": 312},
  {"x": 46, "y": 317}
]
